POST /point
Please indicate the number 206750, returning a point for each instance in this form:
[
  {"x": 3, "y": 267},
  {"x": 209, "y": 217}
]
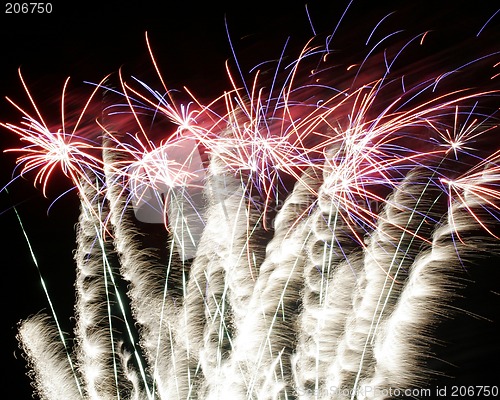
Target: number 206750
[{"x": 28, "y": 8}]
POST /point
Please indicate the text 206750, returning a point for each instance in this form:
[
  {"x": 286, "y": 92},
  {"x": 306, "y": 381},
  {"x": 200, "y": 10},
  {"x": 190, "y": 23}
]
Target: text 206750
[{"x": 28, "y": 8}]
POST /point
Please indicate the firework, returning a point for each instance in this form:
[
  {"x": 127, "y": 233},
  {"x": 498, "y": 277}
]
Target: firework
[{"x": 300, "y": 236}]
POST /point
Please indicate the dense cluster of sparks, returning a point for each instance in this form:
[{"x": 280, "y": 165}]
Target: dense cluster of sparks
[
  {"x": 363, "y": 138},
  {"x": 273, "y": 138}
]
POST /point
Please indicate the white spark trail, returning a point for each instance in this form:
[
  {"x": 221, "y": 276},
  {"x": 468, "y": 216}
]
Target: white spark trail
[
  {"x": 152, "y": 308},
  {"x": 435, "y": 279},
  {"x": 235, "y": 236},
  {"x": 47, "y": 357},
  {"x": 329, "y": 283},
  {"x": 260, "y": 364},
  {"x": 95, "y": 342},
  {"x": 403, "y": 229}
]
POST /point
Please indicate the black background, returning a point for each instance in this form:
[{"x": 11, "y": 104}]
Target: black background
[{"x": 87, "y": 41}]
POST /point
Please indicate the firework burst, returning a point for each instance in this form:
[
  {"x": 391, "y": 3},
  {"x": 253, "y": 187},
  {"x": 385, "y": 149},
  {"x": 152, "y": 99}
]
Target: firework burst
[{"x": 46, "y": 149}]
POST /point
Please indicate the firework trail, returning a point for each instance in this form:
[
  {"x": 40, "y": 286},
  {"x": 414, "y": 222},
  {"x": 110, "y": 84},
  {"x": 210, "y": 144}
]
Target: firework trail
[
  {"x": 386, "y": 261},
  {"x": 296, "y": 238},
  {"x": 435, "y": 274},
  {"x": 142, "y": 267},
  {"x": 259, "y": 364},
  {"x": 48, "y": 358},
  {"x": 239, "y": 254},
  {"x": 95, "y": 346}
]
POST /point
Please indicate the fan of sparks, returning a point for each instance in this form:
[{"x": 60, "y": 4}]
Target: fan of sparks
[{"x": 362, "y": 135}]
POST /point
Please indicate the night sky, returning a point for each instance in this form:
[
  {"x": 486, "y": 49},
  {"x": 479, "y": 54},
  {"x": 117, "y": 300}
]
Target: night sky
[{"x": 190, "y": 43}]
